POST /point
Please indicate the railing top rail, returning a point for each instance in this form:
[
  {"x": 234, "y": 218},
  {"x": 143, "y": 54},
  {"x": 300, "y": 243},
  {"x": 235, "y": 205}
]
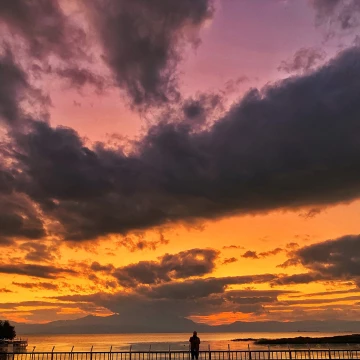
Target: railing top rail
[{"x": 286, "y": 351}]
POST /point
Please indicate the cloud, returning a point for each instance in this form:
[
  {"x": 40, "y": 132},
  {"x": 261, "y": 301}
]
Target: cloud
[
  {"x": 4, "y": 290},
  {"x": 143, "y": 41},
  {"x": 252, "y": 296},
  {"x": 177, "y": 300},
  {"x": 43, "y": 26},
  {"x": 78, "y": 77},
  {"x": 194, "y": 262},
  {"x": 38, "y": 286},
  {"x": 292, "y": 245},
  {"x": 250, "y": 255},
  {"x": 304, "y": 59},
  {"x": 311, "y": 213},
  {"x": 229, "y": 260},
  {"x": 292, "y": 144},
  {"x": 327, "y": 293},
  {"x": 270, "y": 252},
  {"x": 40, "y": 271},
  {"x": 230, "y": 247},
  {"x": 142, "y": 244},
  {"x": 336, "y": 259},
  {"x": 295, "y": 279},
  {"x": 322, "y": 300},
  {"x": 95, "y": 266},
  {"x": 19, "y": 218},
  {"x": 31, "y": 303},
  {"x": 13, "y": 85},
  {"x": 39, "y": 252},
  {"x": 254, "y": 255},
  {"x": 190, "y": 289},
  {"x": 341, "y": 15}
]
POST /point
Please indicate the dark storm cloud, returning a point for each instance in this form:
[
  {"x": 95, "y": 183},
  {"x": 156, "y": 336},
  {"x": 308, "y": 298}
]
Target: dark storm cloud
[
  {"x": 14, "y": 305},
  {"x": 194, "y": 262},
  {"x": 58, "y": 165},
  {"x": 13, "y": 84},
  {"x": 252, "y": 297},
  {"x": 303, "y": 60},
  {"x": 337, "y": 259},
  {"x": 174, "y": 300},
  {"x": 304, "y": 278},
  {"x": 320, "y": 300},
  {"x": 202, "y": 288},
  {"x": 333, "y": 259},
  {"x": 79, "y": 77},
  {"x": 198, "y": 110},
  {"x": 342, "y": 14},
  {"x": 189, "y": 289},
  {"x": 40, "y": 271},
  {"x": 6, "y": 180},
  {"x": 37, "y": 286},
  {"x": 38, "y": 251},
  {"x": 327, "y": 293},
  {"x": 43, "y": 26},
  {"x": 143, "y": 42},
  {"x": 19, "y": 218},
  {"x": 291, "y": 144}
]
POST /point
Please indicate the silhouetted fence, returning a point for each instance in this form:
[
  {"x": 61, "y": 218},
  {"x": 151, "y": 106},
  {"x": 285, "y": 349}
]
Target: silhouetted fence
[{"x": 290, "y": 354}]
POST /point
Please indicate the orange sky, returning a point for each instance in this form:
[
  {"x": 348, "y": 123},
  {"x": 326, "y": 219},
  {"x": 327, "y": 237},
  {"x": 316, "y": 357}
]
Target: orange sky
[{"x": 242, "y": 47}]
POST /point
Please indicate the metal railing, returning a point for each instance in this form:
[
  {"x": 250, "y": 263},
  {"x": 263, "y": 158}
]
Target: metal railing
[{"x": 289, "y": 354}]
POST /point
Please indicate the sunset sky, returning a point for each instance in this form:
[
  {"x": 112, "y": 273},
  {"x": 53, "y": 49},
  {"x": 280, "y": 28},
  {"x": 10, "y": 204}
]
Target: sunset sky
[{"x": 190, "y": 157}]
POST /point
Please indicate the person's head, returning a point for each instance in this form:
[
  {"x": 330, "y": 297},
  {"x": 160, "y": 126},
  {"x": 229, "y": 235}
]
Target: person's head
[{"x": 195, "y": 333}]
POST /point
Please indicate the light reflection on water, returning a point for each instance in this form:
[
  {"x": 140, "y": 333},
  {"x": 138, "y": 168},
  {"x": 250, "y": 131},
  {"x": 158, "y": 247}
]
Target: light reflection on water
[{"x": 174, "y": 341}]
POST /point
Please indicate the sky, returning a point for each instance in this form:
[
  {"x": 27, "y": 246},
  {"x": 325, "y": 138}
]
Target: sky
[{"x": 197, "y": 158}]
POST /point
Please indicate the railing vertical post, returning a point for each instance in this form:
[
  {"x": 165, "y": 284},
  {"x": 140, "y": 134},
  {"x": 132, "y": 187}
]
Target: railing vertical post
[
  {"x": 249, "y": 351},
  {"x": 91, "y": 352},
  {"x": 329, "y": 353},
  {"x": 130, "y": 352},
  {"x": 268, "y": 352},
  {"x": 228, "y": 351},
  {"x": 169, "y": 353},
  {"x": 209, "y": 352},
  {"x": 52, "y": 352},
  {"x": 289, "y": 353}
]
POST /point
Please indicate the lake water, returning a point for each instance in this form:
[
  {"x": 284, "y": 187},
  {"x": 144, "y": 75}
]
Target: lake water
[{"x": 176, "y": 341}]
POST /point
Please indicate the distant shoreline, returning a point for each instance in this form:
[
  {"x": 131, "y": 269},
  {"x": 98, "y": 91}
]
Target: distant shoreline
[{"x": 338, "y": 339}]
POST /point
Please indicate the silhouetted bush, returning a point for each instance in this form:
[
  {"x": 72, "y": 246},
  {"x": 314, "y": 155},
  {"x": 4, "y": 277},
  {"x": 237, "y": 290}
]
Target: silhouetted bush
[{"x": 7, "y": 331}]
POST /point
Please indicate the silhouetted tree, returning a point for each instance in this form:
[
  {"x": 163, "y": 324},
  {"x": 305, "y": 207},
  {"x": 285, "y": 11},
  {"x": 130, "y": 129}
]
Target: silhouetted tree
[{"x": 7, "y": 331}]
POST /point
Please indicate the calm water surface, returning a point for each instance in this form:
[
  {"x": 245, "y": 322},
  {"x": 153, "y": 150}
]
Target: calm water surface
[{"x": 176, "y": 341}]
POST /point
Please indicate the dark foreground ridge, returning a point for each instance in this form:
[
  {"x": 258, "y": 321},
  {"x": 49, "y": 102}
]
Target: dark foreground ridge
[{"x": 341, "y": 339}]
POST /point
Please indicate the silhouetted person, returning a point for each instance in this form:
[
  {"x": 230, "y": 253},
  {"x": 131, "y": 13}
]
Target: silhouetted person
[{"x": 194, "y": 346}]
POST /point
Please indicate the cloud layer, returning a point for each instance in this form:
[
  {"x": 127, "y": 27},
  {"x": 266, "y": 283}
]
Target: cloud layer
[{"x": 289, "y": 145}]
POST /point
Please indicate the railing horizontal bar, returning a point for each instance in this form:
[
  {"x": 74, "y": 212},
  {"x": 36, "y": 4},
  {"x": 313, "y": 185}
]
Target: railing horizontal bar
[{"x": 309, "y": 352}]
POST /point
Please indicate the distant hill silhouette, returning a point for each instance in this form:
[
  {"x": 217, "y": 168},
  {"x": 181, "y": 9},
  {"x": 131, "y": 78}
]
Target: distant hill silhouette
[{"x": 117, "y": 324}]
